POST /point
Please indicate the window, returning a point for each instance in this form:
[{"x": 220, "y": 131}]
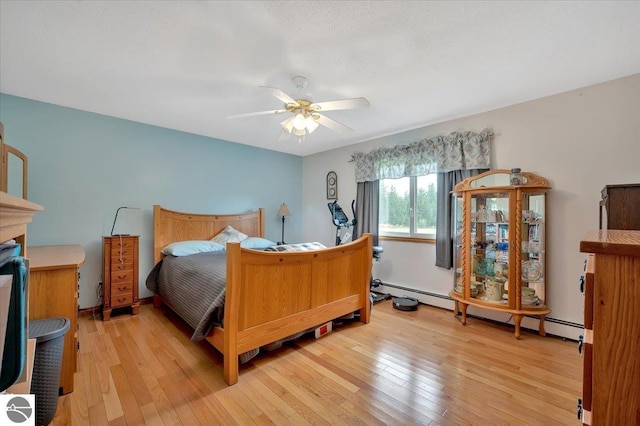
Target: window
[{"x": 408, "y": 207}]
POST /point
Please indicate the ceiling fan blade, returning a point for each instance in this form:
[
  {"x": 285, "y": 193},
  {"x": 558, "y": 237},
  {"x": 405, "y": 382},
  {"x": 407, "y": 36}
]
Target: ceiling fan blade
[
  {"x": 280, "y": 95},
  {"x": 341, "y": 104},
  {"x": 251, "y": 114},
  {"x": 332, "y": 124}
]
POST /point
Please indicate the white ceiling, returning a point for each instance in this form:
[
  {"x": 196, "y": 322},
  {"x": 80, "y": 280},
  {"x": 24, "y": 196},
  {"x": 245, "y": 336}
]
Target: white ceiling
[{"x": 187, "y": 65}]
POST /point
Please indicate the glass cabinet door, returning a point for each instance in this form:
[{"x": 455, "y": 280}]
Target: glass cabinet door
[
  {"x": 533, "y": 249},
  {"x": 458, "y": 227},
  {"x": 489, "y": 247}
]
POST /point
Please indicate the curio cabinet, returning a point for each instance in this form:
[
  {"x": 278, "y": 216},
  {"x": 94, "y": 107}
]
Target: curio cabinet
[{"x": 500, "y": 251}]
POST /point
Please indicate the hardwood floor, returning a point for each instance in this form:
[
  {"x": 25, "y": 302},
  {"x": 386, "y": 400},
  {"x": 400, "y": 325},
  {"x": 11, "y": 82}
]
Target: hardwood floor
[{"x": 420, "y": 367}]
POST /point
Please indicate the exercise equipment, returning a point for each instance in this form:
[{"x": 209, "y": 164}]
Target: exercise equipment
[{"x": 341, "y": 222}]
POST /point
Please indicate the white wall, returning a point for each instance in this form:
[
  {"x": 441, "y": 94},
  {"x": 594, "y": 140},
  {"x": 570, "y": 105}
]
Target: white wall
[{"x": 580, "y": 141}]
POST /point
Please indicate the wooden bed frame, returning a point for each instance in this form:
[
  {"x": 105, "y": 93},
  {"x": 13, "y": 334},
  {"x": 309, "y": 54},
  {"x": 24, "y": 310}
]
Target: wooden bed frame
[{"x": 272, "y": 295}]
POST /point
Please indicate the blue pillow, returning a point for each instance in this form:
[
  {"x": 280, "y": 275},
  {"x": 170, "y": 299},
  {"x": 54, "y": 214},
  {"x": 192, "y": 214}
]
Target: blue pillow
[
  {"x": 256, "y": 243},
  {"x": 185, "y": 248}
]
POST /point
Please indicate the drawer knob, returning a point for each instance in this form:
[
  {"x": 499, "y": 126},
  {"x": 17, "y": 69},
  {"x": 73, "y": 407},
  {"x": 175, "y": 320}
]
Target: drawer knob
[
  {"x": 121, "y": 277},
  {"x": 123, "y": 288},
  {"x": 122, "y": 300}
]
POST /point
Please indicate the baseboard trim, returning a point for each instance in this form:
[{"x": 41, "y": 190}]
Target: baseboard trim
[
  {"x": 553, "y": 326},
  {"x": 93, "y": 309}
]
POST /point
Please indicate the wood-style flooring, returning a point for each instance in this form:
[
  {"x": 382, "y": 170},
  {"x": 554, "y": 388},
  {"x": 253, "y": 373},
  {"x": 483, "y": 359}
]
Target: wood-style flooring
[{"x": 403, "y": 368}]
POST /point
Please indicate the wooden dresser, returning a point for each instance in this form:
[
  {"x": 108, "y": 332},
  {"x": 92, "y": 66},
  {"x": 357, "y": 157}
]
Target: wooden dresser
[
  {"x": 53, "y": 292},
  {"x": 611, "y": 341},
  {"x": 120, "y": 274}
]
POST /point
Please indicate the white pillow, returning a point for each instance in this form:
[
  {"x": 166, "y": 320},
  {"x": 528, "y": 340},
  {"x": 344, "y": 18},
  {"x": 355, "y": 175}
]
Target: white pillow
[
  {"x": 185, "y": 248},
  {"x": 256, "y": 243},
  {"x": 229, "y": 234}
]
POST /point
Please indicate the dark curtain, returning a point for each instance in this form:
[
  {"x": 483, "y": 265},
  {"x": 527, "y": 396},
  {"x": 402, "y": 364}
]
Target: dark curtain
[
  {"x": 367, "y": 197},
  {"x": 444, "y": 226}
]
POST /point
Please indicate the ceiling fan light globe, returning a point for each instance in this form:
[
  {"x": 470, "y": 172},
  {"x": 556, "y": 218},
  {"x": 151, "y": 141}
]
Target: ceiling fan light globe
[
  {"x": 299, "y": 122},
  {"x": 299, "y": 132},
  {"x": 288, "y": 124},
  {"x": 311, "y": 125}
]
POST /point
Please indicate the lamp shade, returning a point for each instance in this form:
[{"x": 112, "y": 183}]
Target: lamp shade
[{"x": 284, "y": 210}]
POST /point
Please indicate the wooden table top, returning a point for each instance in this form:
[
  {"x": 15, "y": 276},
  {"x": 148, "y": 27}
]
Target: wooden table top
[
  {"x": 55, "y": 257},
  {"x": 611, "y": 241}
]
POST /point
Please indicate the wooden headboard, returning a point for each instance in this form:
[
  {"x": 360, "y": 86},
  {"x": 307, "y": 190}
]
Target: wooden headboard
[{"x": 171, "y": 226}]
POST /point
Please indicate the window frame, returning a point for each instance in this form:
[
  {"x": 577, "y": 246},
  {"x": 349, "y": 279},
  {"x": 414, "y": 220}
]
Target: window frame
[{"x": 412, "y": 235}]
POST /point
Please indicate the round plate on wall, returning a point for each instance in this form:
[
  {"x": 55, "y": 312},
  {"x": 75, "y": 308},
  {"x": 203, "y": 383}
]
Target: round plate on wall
[{"x": 332, "y": 186}]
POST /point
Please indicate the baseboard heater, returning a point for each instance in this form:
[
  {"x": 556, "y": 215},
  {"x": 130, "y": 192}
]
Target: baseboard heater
[{"x": 445, "y": 297}]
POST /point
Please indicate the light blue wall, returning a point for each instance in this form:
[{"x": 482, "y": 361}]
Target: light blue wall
[{"x": 83, "y": 166}]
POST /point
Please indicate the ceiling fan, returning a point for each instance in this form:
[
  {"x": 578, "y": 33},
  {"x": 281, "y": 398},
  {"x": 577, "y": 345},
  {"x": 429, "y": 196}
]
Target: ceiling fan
[{"x": 306, "y": 115}]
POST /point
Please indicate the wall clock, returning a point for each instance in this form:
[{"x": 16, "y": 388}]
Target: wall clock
[{"x": 332, "y": 186}]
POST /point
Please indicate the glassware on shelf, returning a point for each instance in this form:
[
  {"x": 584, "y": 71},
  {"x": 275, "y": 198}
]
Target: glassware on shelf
[
  {"x": 481, "y": 214},
  {"x": 489, "y": 267},
  {"x": 501, "y": 270},
  {"x": 531, "y": 270},
  {"x": 528, "y": 296},
  {"x": 515, "y": 178}
]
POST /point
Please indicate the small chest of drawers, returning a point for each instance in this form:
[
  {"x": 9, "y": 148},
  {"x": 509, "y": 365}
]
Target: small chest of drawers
[
  {"x": 120, "y": 274},
  {"x": 54, "y": 272}
]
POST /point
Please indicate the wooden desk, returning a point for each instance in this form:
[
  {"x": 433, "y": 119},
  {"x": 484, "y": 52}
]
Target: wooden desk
[{"x": 53, "y": 292}]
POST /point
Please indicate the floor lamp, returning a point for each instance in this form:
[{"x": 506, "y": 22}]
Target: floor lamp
[{"x": 284, "y": 211}]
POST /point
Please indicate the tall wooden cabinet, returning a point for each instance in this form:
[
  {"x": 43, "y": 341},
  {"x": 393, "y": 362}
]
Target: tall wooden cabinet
[
  {"x": 120, "y": 274},
  {"x": 500, "y": 247},
  {"x": 53, "y": 292},
  {"x": 620, "y": 207},
  {"x": 611, "y": 341}
]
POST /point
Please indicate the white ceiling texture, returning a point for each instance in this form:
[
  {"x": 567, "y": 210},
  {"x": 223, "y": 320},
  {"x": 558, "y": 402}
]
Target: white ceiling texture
[{"x": 187, "y": 65}]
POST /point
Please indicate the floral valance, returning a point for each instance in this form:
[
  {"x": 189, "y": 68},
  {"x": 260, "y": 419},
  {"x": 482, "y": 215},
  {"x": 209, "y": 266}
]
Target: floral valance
[{"x": 456, "y": 151}]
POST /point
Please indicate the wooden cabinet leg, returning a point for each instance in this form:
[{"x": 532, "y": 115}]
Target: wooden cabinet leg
[
  {"x": 464, "y": 313},
  {"x": 456, "y": 308},
  {"x": 106, "y": 314},
  {"x": 541, "y": 329},
  {"x": 135, "y": 308},
  {"x": 517, "y": 319}
]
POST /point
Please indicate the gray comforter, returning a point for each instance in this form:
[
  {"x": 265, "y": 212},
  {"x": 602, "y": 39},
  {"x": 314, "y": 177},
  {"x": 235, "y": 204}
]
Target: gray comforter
[{"x": 194, "y": 286}]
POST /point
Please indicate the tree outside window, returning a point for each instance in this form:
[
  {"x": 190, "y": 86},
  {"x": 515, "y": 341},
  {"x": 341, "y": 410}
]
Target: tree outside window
[{"x": 408, "y": 207}]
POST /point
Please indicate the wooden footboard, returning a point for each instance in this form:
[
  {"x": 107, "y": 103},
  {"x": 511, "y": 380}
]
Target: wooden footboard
[{"x": 272, "y": 295}]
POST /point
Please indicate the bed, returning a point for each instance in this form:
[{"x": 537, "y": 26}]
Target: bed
[{"x": 269, "y": 295}]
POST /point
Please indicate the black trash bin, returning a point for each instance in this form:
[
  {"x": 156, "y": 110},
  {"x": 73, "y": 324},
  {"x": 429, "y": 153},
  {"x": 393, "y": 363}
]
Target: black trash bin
[{"x": 45, "y": 380}]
